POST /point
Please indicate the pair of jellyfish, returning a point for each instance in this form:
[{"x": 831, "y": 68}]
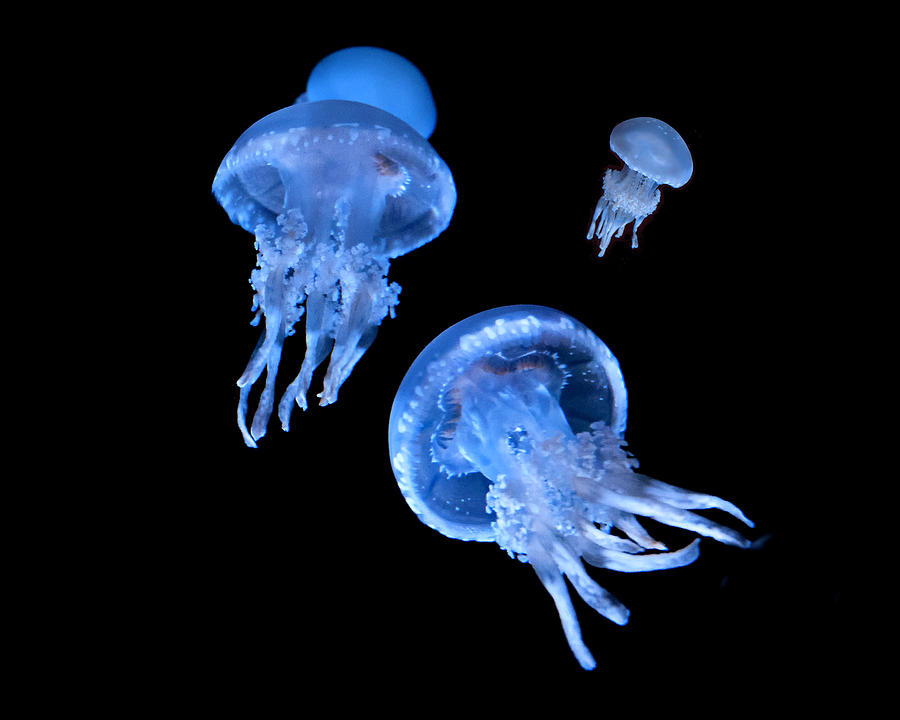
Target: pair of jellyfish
[{"x": 508, "y": 427}]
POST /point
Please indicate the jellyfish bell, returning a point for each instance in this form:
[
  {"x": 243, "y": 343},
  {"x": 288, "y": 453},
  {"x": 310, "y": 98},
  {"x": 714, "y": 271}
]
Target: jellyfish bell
[
  {"x": 332, "y": 190},
  {"x": 654, "y": 154},
  {"x": 654, "y": 149},
  {"x": 508, "y": 428},
  {"x": 378, "y": 77}
]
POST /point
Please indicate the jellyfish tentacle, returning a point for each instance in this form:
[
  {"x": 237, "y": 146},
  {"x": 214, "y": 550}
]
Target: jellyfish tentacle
[
  {"x": 681, "y": 498},
  {"x": 600, "y": 599},
  {"x": 618, "y": 487},
  {"x": 320, "y": 313},
  {"x": 369, "y": 303},
  {"x": 244, "y": 396},
  {"x": 595, "y": 220},
  {"x": 627, "y": 197},
  {"x": 621, "y": 562},
  {"x": 552, "y": 580},
  {"x": 347, "y": 350},
  {"x": 593, "y": 491},
  {"x": 607, "y": 540},
  {"x": 267, "y": 398},
  {"x": 631, "y": 526},
  {"x": 266, "y": 354},
  {"x": 634, "y": 228},
  {"x": 259, "y": 358},
  {"x": 242, "y": 417}
]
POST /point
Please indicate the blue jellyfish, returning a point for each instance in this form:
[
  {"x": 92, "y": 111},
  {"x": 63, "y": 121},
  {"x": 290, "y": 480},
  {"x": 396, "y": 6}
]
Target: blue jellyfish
[
  {"x": 332, "y": 188},
  {"x": 654, "y": 154},
  {"x": 508, "y": 428},
  {"x": 376, "y": 77}
]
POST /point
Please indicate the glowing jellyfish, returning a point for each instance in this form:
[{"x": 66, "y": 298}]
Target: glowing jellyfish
[
  {"x": 654, "y": 155},
  {"x": 332, "y": 189},
  {"x": 508, "y": 429},
  {"x": 376, "y": 77}
]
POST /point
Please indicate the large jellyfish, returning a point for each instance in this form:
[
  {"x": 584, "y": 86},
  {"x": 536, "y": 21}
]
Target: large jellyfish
[
  {"x": 508, "y": 428},
  {"x": 654, "y": 154},
  {"x": 332, "y": 188}
]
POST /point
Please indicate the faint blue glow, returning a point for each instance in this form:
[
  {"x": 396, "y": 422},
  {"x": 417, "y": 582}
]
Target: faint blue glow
[
  {"x": 508, "y": 428},
  {"x": 376, "y": 77},
  {"x": 654, "y": 154},
  {"x": 331, "y": 191}
]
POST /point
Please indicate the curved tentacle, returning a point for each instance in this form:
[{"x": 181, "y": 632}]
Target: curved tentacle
[
  {"x": 640, "y": 504},
  {"x": 598, "y": 557},
  {"x": 266, "y": 354},
  {"x": 551, "y": 578},
  {"x": 593, "y": 594}
]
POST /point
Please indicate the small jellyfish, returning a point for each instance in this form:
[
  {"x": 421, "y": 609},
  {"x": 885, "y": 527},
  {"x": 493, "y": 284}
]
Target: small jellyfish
[
  {"x": 654, "y": 154},
  {"x": 508, "y": 428},
  {"x": 332, "y": 188}
]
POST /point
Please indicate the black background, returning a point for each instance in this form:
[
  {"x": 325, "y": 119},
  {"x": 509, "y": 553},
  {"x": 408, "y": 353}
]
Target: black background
[{"x": 270, "y": 572}]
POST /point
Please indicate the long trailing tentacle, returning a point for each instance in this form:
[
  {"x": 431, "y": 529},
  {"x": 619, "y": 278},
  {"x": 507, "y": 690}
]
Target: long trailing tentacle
[
  {"x": 245, "y": 392},
  {"x": 686, "y": 499},
  {"x": 369, "y": 299},
  {"x": 267, "y": 398},
  {"x": 621, "y": 562},
  {"x": 593, "y": 594},
  {"x": 551, "y": 578},
  {"x": 320, "y": 313},
  {"x": 347, "y": 351},
  {"x": 627, "y": 495},
  {"x": 262, "y": 357},
  {"x": 607, "y": 481}
]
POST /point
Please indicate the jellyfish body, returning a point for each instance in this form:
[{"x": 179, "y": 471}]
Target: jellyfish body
[
  {"x": 331, "y": 190},
  {"x": 378, "y": 77},
  {"x": 654, "y": 154},
  {"x": 508, "y": 428}
]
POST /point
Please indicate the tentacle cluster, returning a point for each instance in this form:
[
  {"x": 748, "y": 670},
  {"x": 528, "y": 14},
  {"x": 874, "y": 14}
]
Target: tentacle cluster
[
  {"x": 345, "y": 294},
  {"x": 627, "y": 195},
  {"x": 562, "y": 504}
]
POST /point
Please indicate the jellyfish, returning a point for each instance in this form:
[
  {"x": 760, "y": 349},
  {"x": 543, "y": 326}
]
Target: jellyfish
[
  {"x": 654, "y": 154},
  {"x": 376, "y": 77},
  {"x": 508, "y": 428},
  {"x": 332, "y": 188}
]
